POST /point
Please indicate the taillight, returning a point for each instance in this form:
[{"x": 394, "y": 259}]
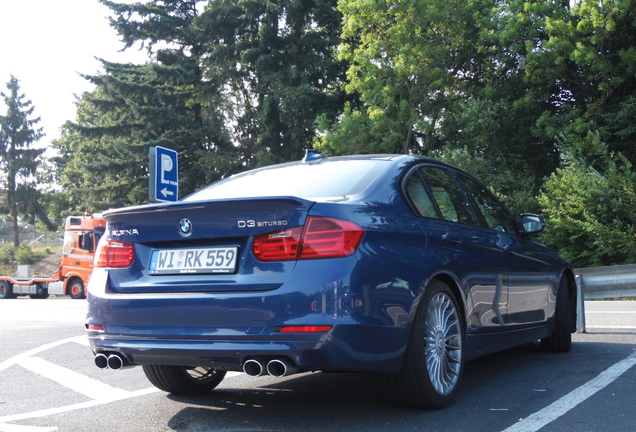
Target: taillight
[
  {"x": 320, "y": 238},
  {"x": 330, "y": 238},
  {"x": 278, "y": 246},
  {"x": 114, "y": 254}
]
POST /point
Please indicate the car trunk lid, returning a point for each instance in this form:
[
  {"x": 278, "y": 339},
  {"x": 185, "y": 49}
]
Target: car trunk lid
[{"x": 201, "y": 246}]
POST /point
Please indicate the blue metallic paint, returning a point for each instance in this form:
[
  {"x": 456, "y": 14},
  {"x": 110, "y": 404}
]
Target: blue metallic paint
[{"x": 370, "y": 298}]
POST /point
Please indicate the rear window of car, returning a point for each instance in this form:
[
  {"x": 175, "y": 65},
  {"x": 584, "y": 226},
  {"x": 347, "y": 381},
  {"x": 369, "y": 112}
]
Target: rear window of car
[{"x": 328, "y": 179}]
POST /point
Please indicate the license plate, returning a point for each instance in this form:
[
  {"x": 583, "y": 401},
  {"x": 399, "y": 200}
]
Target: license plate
[{"x": 193, "y": 261}]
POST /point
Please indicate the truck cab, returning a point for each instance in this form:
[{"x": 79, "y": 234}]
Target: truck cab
[{"x": 81, "y": 235}]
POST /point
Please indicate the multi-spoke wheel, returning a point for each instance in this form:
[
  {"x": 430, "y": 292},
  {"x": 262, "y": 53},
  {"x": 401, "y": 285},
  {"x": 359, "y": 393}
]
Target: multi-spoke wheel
[
  {"x": 433, "y": 362},
  {"x": 443, "y": 350},
  {"x": 182, "y": 379}
]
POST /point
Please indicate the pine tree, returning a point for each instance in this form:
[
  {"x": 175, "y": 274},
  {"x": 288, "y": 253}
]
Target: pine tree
[{"x": 18, "y": 160}]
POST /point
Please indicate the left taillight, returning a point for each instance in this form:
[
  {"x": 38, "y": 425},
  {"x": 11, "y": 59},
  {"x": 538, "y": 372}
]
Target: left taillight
[
  {"x": 114, "y": 254},
  {"x": 320, "y": 237},
  {"x": 329, "y": 238}
]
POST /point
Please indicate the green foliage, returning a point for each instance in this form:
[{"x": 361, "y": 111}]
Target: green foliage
[
  {"x": 12, "y": 256},
  {"x": 277, "y": 65},
  {"x": 404, "y": 62},
  {"x": 229, "y": 85},
  {"x": 488, "y": 85},
  {"x": 589, "y": 205}
]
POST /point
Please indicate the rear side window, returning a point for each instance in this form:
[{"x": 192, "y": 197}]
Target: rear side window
[
  {"x": 420, "y": 197},
  {"x": 449, "y": 199},
  {"x": 318, "y": 180}
]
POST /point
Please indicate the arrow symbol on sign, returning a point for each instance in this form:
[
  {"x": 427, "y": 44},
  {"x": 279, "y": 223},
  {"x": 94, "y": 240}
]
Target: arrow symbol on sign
[{"x": 165, "y": 192}]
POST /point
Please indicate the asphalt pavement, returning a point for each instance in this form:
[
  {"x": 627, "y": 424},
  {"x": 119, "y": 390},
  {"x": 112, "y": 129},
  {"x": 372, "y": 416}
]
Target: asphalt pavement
[{"x": 49, "y": 383}]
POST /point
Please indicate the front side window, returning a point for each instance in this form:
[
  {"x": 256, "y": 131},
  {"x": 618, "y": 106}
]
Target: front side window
[{"x": 493, "y": 215}]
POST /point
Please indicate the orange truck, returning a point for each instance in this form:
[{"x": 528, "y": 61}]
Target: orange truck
[{"x": 81, "y": 234}]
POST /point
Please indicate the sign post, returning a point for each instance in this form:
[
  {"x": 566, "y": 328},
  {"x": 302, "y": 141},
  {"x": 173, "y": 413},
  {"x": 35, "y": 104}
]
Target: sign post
[{"x": 164, "y": 174}]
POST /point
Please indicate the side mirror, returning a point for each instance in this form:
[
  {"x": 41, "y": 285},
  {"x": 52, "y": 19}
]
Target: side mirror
[{"x": 532, "y": 223}]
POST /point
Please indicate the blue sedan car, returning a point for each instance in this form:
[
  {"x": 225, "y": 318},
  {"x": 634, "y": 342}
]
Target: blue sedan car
[{"x": 398, "y": 265}]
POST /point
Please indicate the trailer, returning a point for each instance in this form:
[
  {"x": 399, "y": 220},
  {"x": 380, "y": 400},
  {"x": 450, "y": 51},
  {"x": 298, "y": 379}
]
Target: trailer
[{"x": 81, "y": 235}]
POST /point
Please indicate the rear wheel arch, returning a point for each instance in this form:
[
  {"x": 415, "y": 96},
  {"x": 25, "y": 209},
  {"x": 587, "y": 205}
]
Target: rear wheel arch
[
  {"x": 454, "y": 286},
  {"x": 457, "y": 292}
]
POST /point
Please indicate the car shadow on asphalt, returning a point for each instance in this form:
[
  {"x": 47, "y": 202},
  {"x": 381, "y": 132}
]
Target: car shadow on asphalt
[{"x": 356, "y": 401}]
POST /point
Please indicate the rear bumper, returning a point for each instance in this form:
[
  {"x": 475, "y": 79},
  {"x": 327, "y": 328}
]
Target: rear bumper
[
  {"x": 343, "y": 348},
  {"x": 224, "y": 355},
  {"x": 224, "y": 331},
  {"x": 370, "y": 322}
]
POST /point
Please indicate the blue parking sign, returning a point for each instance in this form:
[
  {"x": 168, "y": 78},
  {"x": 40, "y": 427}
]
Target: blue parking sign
[{"x": 164, "y": 174}]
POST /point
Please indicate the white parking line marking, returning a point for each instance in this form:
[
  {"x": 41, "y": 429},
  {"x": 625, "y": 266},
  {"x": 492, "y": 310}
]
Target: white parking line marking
[
  {"x": 68, "y": 408},
  {"x": 550, "y": 413},
  {"x": 20, "y": 428},
  {"x": 80, "y": 383},
  {"x": 101, "y": 393},
  {"x": 17, "y": 359},
  {"x": 611, "y": 312},
  {"x": 82, "y": 340},
  {"x": 75, "y": 381},
  {"x": 602, "y": 327}
]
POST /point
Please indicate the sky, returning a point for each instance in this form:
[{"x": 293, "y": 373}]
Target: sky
[{"x": 46, "y": 44}]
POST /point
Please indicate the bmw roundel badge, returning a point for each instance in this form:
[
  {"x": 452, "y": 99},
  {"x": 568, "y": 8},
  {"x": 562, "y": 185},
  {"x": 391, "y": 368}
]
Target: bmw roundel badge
[{"x": 185, "y": 227}]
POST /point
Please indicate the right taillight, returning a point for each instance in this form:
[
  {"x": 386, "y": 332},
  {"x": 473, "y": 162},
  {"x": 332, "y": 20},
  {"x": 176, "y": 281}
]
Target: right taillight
[
  {"x": 320, "y": 237},
  {"x": 114, "y": 254}
]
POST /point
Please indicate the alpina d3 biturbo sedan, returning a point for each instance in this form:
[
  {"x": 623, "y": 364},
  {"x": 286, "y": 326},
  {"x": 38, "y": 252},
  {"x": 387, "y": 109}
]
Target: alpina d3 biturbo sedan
[{"x": 399, "y": 265}]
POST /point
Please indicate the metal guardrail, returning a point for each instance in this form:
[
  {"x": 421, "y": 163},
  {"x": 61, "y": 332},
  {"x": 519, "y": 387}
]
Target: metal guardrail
[
  {"x": 597, "y": 283},
  {"x": 608, "y": 282}
]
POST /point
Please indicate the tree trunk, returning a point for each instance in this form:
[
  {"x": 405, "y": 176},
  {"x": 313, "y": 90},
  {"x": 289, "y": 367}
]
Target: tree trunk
[{"x": 14, "y": 220}]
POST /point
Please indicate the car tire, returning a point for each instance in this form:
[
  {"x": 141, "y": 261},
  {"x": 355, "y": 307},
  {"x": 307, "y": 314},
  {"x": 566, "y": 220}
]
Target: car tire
[
  {"x": 183, "y": 380},
  {"x": 6, "y": 292},
  {"x": 76, "y": 289},
  {"x": 434, "y": 358},
  {"x": 560, "y": 340}
]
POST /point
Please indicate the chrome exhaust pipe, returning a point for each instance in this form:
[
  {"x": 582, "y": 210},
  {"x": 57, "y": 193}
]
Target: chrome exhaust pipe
[
  {"x": 101, "y": 361},
  {"x": 254, "y": 368},
  {"x": 115, "y": 362},
  {"x": 281, "y": 367}
]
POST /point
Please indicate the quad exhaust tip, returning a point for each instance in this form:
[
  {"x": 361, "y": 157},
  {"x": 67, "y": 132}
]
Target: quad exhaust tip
[
  {"x": 110, "y": 361},
  {"x": 281, "y": 367},
  {"x": 254, "y": 368},
  {"x": 101, "y": 361},
  {"x": 277, "y": 368}
]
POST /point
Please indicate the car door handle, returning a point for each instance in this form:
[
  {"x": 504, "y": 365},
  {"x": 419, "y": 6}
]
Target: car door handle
[
  {"x": 508, "y": 249},
  {"x": 448, "y": 237}
]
